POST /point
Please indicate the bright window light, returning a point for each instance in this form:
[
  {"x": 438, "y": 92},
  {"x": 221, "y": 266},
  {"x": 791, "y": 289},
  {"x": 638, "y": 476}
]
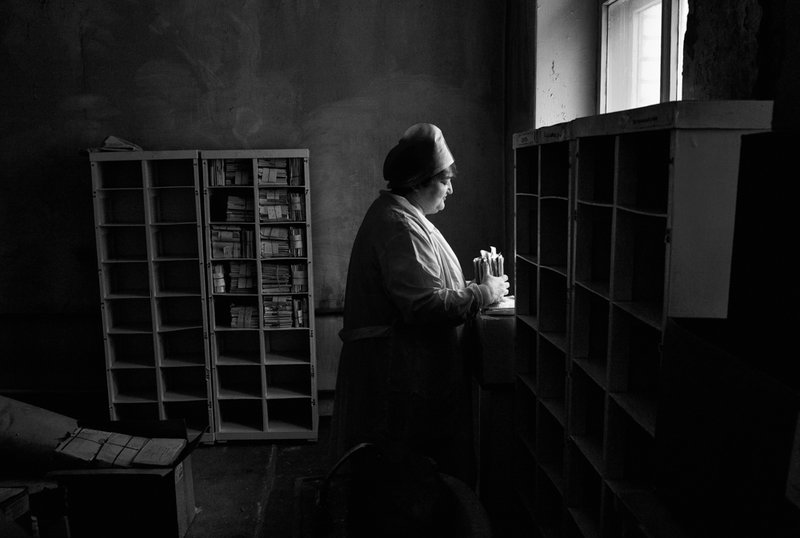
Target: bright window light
[
  {"x": 634, "y": 51},
  {"x": 680, "y": 31}
]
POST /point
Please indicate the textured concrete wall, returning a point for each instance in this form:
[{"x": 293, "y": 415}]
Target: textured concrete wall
[
  {"x": 343, "y": 79},
  {"x": 520, "y": 94},
  {"x": 721, "y": 50},
  {"x": 566, "y": 60}
]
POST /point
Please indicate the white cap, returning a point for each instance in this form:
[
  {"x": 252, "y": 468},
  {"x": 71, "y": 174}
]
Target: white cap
[{"x": 421, "y": 153}]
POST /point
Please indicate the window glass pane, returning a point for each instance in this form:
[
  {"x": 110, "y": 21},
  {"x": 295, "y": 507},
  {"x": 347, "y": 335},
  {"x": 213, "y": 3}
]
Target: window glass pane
[
  {"x": 683, "y": 14},
  {"x": 633, "y": 54}
]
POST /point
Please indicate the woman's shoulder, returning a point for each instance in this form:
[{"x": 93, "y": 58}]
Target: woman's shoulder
[{"x": 394, "y": 210}]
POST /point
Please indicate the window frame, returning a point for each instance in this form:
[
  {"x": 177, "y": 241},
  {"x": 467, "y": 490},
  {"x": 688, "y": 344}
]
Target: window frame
[{"x": 670, "y": 84}]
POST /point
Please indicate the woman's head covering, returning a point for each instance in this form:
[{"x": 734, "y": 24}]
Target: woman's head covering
[{"x": 420, "y": 154}]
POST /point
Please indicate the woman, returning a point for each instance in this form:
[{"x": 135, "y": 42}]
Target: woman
[{"x": 402, "y": 376}]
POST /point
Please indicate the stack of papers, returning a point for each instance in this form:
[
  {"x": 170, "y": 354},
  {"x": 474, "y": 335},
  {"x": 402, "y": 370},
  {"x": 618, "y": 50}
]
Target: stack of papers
[{"x": 109, "y": 449}]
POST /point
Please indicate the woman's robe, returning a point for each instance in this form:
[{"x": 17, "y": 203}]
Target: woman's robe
[{"x": 402, "y": 373}]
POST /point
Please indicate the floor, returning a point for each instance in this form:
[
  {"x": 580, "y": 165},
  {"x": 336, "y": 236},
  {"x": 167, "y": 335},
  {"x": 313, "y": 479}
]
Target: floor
[
  {"x": 248, "y": 490},
  {"x": 255, "y": 490}
]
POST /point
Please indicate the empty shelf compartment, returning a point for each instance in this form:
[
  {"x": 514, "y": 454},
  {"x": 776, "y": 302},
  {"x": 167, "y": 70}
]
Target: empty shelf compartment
[{"x": 186, "y": 347}]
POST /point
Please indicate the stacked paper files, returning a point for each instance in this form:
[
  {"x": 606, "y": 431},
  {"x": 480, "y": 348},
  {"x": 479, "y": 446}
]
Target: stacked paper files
[
  {"x": 491, "y": 259},
  {"x": 109, "y": 449}
]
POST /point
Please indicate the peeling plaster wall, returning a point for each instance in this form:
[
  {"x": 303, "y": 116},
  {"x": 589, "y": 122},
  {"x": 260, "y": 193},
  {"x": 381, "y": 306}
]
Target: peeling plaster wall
[
  {"x": 566, "y": 60},
  {"x": 343, "y": 79}
]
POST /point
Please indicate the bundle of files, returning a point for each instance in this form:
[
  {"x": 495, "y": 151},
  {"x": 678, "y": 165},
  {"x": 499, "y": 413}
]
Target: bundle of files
[
  {"x": 299, "y": 277},
  {"x": 242, "y": 277},
  {"x": 237, "y": 173},
  {"x": 297, "y": 243},
  {"x": 285, "y": 312},
  {"x": 297, "y": 206},
  {"x": 101, "y": 448},
  {"x": 273, "y": 204},
  {"x": 244, "y": 317},
  {"x": 488, "y": 259},
  {"x": 228, "y": 172},
  {"x": 295, "y": 171},
  {"x": 276, "y": 278},
  {"x": 235, "y": 277},
  {"x": 239, "y": 209},
  {"x": 493, "y": 261},
  {"x": 278, "y": 312},
  {"x": 283, "y": 278},
  {"x": 216, "y": 172},
  {"x": 231, "y": 242},
  {"x": 274, "y": 241},
  {"x": 272, "y": 172},
  {"x": 280, "y": 241},
  {"x": 218, "y": 277},
  {"x": 300, "y": 312}
]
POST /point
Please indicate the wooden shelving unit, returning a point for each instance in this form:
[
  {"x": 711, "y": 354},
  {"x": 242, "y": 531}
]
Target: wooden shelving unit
[
  {"x": 148, "y": 229},
  {"x": 206, "y": 282},
  {"x": 258, "y": 237},
  {"x": 622, "y": 221}
]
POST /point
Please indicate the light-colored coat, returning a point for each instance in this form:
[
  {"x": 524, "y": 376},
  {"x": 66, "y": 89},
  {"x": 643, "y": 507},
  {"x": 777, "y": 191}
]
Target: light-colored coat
[{"x": 402, "y": 372}]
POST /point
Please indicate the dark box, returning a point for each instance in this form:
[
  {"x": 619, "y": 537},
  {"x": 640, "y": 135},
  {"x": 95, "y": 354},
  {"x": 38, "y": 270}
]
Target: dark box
[
  {"x": 135, "y": 501},
  {"x": 494, "y": 363}
]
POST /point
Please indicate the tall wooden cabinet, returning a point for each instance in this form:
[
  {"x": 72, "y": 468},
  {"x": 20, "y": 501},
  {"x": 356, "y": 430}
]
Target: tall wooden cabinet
[
  {"x": 200, "y": 322},
  {"x": 621, "y": 221},
  {"x": 258, "y": 240},
  {"x": 152, "y": 283}
]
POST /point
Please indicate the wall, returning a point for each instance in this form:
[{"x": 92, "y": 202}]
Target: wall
[
  {"x": 520, "y": 96},
  {"x": 343, "y": 79},
  {"x": 721, "y": 50},
  {"x": 566, "y": 60}
]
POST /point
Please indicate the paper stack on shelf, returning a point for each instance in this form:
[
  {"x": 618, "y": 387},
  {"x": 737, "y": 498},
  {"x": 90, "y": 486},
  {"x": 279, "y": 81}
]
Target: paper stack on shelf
[
  {"x": 242, "y": 277},
  {"x": 274, "y": 241},
  {"x": 216, "y": 172},
  {"x": 300, "y": 312},
  {"x": 239, "y": 209},
  {"x": 295, "y": 171},
  {"x": 272, "y": 172},
  {"x": 237, "y": 173},
  {"x": 218, "y": 277},
  {"x": 278, "y": 312},
  {"x": 299, "y": 277},
  {"x": 115, "y": 143},
  {"x": 273, "y": 204},
  {"x": 231, "y": 242},
  {"x": 297, "y": 246},
  {"x": 226, "y": 241},
  {"x": 275, "y": 278},
  {"x": 297, "y": 207},
  {"x": 244, "y": 317}
]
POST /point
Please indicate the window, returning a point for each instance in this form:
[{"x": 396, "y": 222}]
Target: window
[{"x": 641, "y": 53}]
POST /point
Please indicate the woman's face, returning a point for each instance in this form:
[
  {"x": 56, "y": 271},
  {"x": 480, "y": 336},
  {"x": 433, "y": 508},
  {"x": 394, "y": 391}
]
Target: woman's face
[{"x": 431, "y": 197}]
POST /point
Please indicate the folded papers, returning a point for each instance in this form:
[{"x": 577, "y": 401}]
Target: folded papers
[
  {"x": 492, "y": 262},
  {"x": 115, "y": 143},
  {"x": 491, "y": 259},
  {"x": 110, "y": 449}
]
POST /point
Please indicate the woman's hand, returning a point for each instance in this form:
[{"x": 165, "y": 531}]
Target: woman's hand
[{"x": 498, "y": 285}]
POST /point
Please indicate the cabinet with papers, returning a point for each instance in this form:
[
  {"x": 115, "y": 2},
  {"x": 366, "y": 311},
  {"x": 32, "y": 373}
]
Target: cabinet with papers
[
  {"x": 261, "y": 312},
  {"x": 621, "y": 221},
  {"x": 148, "y": 228},
  {"x": 205, "y": 269}
]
